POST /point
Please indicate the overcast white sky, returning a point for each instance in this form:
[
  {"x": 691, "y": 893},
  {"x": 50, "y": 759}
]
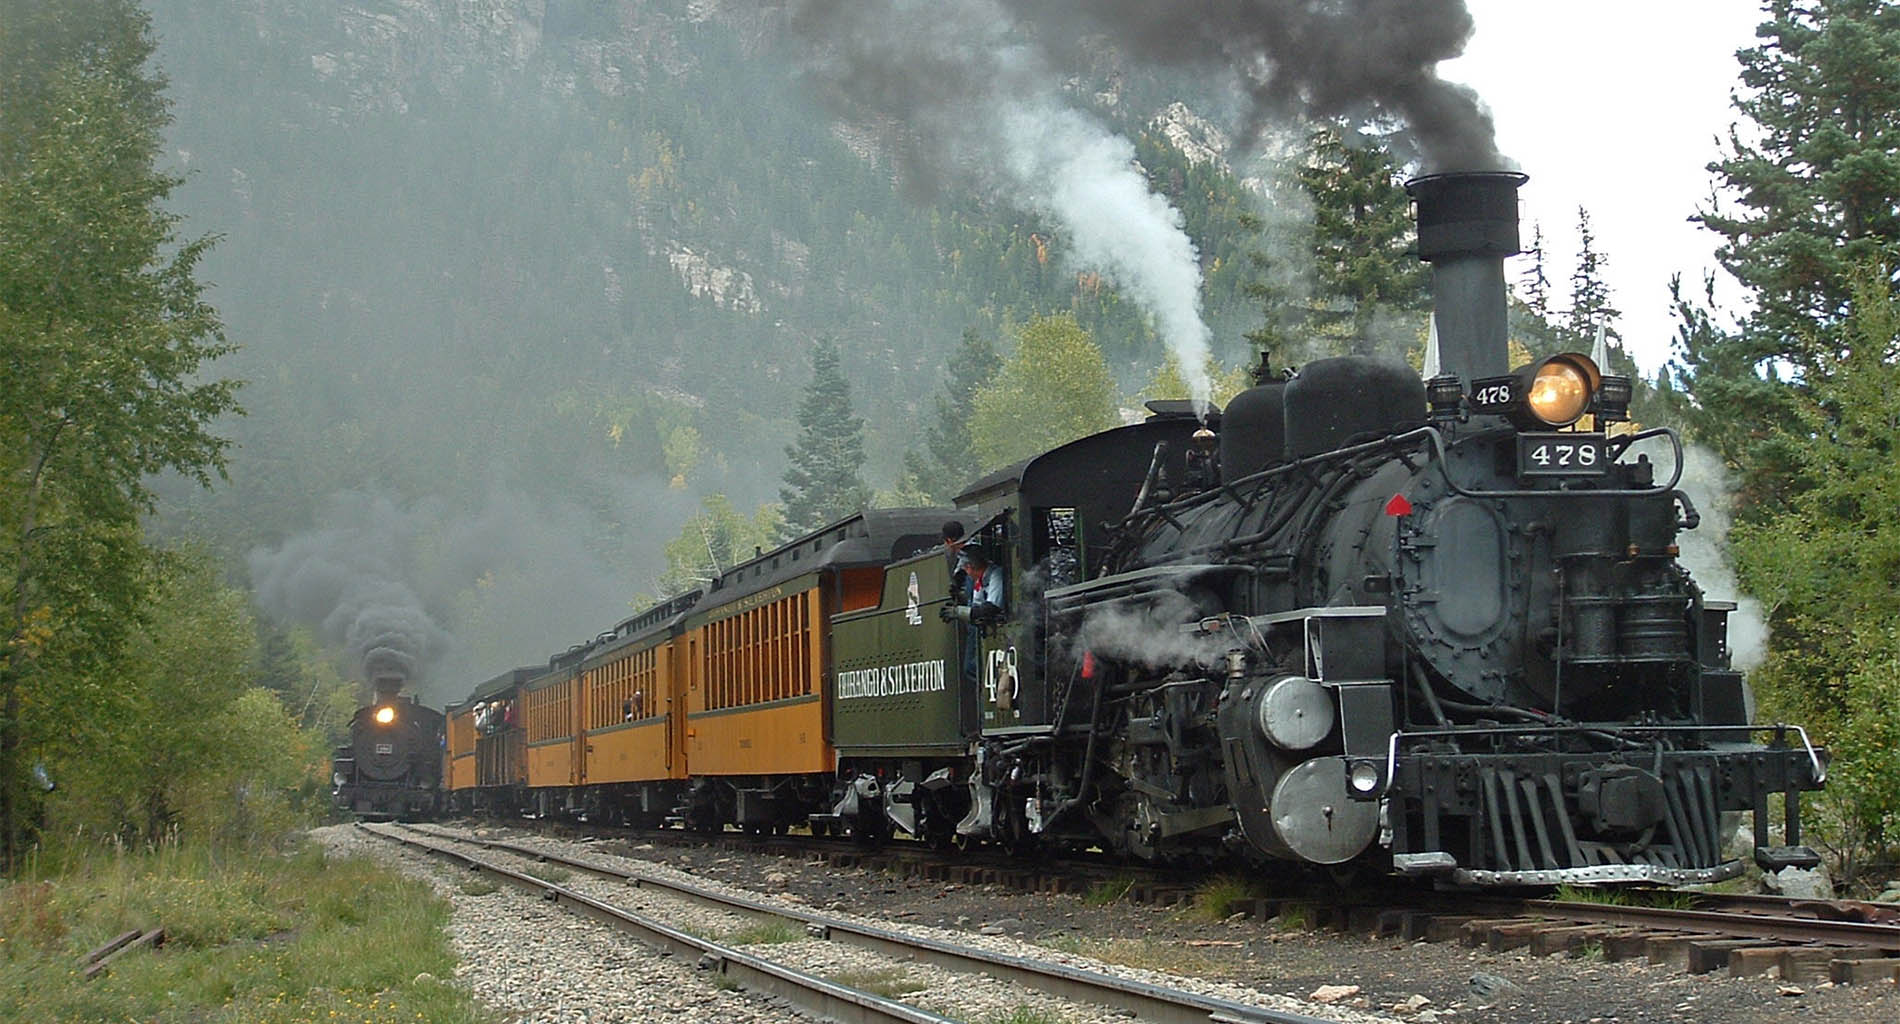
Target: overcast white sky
[{"x": 1614, "y": 105}]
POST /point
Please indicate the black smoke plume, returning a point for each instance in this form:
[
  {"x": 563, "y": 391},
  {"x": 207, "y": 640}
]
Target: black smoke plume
[
  {"x": 1355, "y": 59},
  {"x": 344, "y": 582}
]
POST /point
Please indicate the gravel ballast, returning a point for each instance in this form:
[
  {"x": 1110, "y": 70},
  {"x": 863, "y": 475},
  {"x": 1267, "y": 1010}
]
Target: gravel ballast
[
  {"x": 534, "y": 962},
  {"x": 531, "y": 961}
]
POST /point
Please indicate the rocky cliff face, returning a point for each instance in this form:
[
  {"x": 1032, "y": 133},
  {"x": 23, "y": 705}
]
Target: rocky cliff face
[{"x": 1197, "y": 138}]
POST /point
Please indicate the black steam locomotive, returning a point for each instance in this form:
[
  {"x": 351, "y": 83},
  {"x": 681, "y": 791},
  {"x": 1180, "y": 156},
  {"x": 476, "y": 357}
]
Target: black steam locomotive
[
  {"x": 1383, "y": 616},
  {"x": 392, "y": 766},
  {"x": 1436, "y": 625}
]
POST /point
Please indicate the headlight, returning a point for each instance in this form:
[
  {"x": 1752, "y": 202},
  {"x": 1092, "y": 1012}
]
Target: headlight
[
  {"x": 1555, "y": 391},
  {"x": 1559, "y": 394},
  {"x": 385, "y": 715},
  {"x": 1363, "y": 778}
]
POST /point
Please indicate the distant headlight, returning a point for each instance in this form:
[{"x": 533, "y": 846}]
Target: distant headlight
[
  {"x": 385, "y": 715},
  {"x": 1559, "y": 393}
]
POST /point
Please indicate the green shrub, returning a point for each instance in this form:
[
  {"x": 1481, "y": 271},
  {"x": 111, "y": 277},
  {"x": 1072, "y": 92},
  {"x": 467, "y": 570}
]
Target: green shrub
[
  {"x": 1101, "y": 894},
  {"x": 1221, "y": 897}
]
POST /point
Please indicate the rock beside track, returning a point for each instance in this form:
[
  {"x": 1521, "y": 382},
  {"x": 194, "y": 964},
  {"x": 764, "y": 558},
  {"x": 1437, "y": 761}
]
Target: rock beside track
[{"x": 1800, "y": 883}]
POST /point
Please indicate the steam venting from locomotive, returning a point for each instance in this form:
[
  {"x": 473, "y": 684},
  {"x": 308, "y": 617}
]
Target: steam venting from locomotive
[{"x": 976, "y": 101}]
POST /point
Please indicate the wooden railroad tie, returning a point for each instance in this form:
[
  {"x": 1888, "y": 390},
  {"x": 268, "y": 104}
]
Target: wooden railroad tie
[
  {"x": 1694, "y": 952},
  {"x": 97, "y": 960}
]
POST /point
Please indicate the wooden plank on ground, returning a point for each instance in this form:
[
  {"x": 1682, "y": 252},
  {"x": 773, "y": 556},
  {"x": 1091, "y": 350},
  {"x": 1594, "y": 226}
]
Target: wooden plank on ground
[
  {"x": 1563, "y": 939},
  {"x": 114, "y": 943},
  {"x": 1712, "y": 955},
  {"x": 1752, "y": 960},
  {"x": 149, "y": 939}
]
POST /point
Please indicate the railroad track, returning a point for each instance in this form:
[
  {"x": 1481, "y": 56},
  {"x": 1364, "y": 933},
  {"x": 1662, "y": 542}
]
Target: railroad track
[
  {"x": 1765, "y": 936},
  {"x": 1065, "y": 873},
  {"x": 1797, "y": 940},
  {"x": 1148, "y": 1002}
]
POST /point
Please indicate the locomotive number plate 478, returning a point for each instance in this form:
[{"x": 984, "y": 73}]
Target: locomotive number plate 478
[{"x": 1561, "y": 455}]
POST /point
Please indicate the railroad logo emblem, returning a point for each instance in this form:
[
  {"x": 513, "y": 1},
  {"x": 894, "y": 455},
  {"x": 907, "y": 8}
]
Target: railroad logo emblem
[
  {"x": 1001, "y": 680},
  {"x": 912, "y": 598}
]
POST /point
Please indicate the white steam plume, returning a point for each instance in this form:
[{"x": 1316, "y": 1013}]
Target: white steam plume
[
  {"x": 973, "y": 101},
  {"x": 1066, "y": 165},
  {"x": 1705, "y": 549},
  {"x": 1149, "y": 633}
]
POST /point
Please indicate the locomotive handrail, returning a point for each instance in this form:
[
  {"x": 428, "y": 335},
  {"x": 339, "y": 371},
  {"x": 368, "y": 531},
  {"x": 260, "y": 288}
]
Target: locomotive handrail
[
  {"x": 1392, "y": 744},
  {"x": 1436, "y": 438},
  {"x": 1388, "y": 441},
  {"x": 1675, "y": 477}
]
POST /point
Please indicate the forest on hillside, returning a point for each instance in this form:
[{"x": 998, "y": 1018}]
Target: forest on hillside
[
  {"x": 514, "y": 296},
  {"x": 553, "y": 278}
]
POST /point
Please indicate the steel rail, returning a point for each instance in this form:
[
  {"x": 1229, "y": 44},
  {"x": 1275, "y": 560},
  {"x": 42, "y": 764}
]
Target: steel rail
[
  {"x": 827, "y": 999},
  {"x": 1801, "y": 907},
  {"x": 1148, "y": 1002},
  {"x": 1884, "y": 937}
]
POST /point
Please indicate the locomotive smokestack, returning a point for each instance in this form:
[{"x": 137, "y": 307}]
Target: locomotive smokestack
[
  {"x": 387, "y": 687},
  {"x": 1467, "y": 225}
]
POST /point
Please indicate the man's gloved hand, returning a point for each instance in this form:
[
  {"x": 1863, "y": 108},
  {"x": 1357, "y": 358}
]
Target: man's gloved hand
[
  {"x": 946, "y": 613},
  {"x": 984, "y": 613}
]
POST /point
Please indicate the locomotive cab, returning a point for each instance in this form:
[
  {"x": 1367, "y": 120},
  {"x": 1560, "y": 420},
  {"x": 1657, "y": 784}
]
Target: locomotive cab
[{"x": 1053, "y": 519}]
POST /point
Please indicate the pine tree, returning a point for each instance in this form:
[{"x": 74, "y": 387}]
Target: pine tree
[
  {"x": 1815, "y": 181},
  {"x": 1275, "y": 284},
  {"x": 822, "y": 484},
  {"x": 1362, "y": 234},
  {"x": 948, "y": 460},
  {"x": 1534, "y": 327},
  {"x": 1535, "y": 287},
  {"x": 1590, "y": 305},
  {"x": 1353, "y": 265}
]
